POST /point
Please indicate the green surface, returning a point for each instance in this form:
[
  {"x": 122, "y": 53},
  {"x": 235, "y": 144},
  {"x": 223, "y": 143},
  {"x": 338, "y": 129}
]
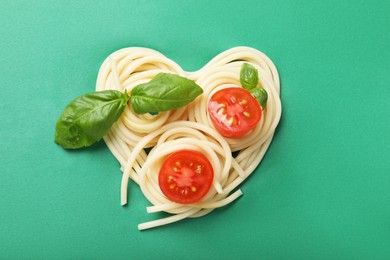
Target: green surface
[{"x": 321, "y": 192}]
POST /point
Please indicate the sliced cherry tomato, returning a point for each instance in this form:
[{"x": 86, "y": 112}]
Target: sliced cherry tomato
[
  {"x": 185, "y": 176},
  {"x": 234, "y": 111}
]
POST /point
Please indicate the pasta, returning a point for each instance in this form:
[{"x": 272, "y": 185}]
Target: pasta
[{"x": 186, "y": 128}]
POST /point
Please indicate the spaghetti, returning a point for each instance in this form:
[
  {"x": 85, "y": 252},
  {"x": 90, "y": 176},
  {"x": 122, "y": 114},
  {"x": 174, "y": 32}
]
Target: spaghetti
[{"x": 186, "y": 128}]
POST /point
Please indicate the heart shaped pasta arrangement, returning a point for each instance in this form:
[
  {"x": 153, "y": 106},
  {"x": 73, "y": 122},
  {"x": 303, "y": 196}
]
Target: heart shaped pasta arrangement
[{"x": 233, "y": 159}]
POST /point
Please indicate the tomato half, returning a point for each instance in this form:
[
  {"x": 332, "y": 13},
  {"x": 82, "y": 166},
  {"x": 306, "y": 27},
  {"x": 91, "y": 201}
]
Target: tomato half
[
  {"x": 234, "y": 111},
  {"x": 185, "y": 176}
]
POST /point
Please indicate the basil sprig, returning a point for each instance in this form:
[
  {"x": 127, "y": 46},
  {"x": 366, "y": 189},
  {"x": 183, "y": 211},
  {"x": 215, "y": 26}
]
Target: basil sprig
[
  {"x": 88, "y": 118},
  {"x": 249, "y": 79}
]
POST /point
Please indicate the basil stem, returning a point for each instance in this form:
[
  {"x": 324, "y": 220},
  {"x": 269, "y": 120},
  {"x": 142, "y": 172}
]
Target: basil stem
[
  {"x": 164, "y": 92},
  {"x": 88, "y": 118}
]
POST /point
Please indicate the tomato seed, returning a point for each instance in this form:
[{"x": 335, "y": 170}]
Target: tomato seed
[
  {"x": 244, "y": 102},
  {"x": 198, "y": 169},
  {"x": 221, "y": 111}
]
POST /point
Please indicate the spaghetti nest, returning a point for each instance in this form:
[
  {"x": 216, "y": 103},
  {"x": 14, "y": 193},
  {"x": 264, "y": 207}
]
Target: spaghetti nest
[{"x": 189, "y": 127}]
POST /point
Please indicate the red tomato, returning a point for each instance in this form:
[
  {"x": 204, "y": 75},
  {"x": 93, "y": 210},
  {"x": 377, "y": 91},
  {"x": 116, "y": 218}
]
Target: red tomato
[
  {"x": 185, "y": 176},
  {"x": 234, "y": 111}
]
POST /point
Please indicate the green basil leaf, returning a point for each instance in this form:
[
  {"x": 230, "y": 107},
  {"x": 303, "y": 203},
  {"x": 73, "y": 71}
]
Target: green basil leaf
[
  {"x": 249, "y": 76},
  {"x": 164, "y": 92},
  {"x": 261, "y": 95},
  {"x": 88, "y": 118}
]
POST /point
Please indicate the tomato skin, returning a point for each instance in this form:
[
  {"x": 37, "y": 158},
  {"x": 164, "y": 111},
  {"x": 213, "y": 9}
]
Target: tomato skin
[
  {"x": 234, "y": 111},
  {"x": 185, "y": 176}
]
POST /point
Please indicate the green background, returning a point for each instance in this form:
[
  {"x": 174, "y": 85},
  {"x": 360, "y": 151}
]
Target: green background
[{"x": 321, "y": 192}]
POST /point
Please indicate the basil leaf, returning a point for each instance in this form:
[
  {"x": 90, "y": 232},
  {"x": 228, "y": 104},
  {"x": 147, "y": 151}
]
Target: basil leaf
[
  {"x": 249, "y": 76},
  {"x": 88, "y": 118},
  {"x": 261, "y": 95},
  {"x": 164, "y": 92}
]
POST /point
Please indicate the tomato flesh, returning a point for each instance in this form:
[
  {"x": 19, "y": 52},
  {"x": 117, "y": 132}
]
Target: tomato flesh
[
  {"x": 234, "y": 111},
  {"x": 185, "y": 176}
]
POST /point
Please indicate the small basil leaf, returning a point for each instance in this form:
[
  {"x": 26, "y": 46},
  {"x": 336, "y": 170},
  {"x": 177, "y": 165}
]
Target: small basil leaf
[
  {"x": 164, "y": 92},
  {"x": 261, "y": 95},
  {"x": 88, "y": 118},
  {"x": 249, "y": 77}
]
